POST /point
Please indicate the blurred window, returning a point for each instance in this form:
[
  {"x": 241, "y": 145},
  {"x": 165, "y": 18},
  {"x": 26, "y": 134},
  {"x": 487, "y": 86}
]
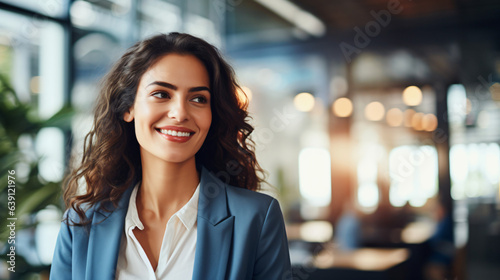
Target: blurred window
[
  {"x": 368, "y": 192},
  {"x": 36, "y": 69},
  {"x": 51, "y": 8},
  {"x": 475, "y": 152},
  {"x": 314, "y": 176},
  {"x": 475, "y": 170},
  {"x": 414, "y": 175},
  {"x": 34, "y": 48},
  {"x": 152, "y": 21},
  {"x": 20, "y": 54}
]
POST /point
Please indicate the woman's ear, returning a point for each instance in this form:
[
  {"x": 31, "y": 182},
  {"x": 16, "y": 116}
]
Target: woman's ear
[{"x": 129, "y": 115}]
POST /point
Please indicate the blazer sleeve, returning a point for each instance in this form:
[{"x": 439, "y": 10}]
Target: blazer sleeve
[
  {"x": 62, "y": 260},
  {"x": 273, "y": 257}
]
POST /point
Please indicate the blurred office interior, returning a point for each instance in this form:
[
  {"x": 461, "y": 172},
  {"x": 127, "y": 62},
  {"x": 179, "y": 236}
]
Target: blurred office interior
[{"x": 377, "y": 121}]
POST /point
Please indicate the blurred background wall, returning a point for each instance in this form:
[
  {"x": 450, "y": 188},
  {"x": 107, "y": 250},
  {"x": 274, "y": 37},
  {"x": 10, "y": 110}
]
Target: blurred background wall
[{"x": 378, "y": 121}]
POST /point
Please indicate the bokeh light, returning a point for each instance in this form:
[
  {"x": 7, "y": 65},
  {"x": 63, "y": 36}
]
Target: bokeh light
[
  {"x": 374, "y": 111},
  {"x": 416, "y": 121},
  {"x": 342, "y": 107},
  {"x": 429, "y": 122},
  {"x": 304, "y": 101},
  {"x": 412, "y": 96},
  {"x": 408, "y": 116},
  {"x": 394, "y": 117}
]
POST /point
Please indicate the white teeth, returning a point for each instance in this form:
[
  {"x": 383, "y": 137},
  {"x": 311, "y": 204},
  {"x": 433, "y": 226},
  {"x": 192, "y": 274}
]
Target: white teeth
[{"x": 175, "y": 133}]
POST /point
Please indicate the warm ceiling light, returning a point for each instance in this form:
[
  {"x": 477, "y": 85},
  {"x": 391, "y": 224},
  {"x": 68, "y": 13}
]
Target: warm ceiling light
[
  {"x": 412, "y": 96},
  {"x": 429, "y": 122},
  {"x": 342, "y": 107},
  {"x": 374, "y": 111},
  {"x": 408, "y": 115},
  {"x": 394, "y": 117},
  {"x": 303, "y": 101},
  {"x": 416, "y": 121}
]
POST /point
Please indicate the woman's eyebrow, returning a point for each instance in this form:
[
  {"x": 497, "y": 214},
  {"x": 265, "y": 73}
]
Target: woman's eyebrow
[
  {"x": 173, "y": 87},
  {"x": 194, "y": 89}
]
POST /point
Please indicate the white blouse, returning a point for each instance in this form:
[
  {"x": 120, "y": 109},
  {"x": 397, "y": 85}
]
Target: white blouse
[{"x": 176, "y": 260}]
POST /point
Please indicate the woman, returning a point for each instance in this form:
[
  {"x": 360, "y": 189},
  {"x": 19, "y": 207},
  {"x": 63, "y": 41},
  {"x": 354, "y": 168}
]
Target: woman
[{"x": 170, "y": 176}]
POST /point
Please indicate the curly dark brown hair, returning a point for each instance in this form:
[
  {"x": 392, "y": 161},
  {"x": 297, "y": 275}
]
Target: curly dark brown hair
[{"x": 111, "y": 157}]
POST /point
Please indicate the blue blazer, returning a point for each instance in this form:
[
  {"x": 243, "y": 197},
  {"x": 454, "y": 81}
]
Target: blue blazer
[{"x": 240, "y": 235}]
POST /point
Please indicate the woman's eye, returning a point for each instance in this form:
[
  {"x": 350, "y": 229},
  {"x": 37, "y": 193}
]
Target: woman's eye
[
  {"x": 160, "y": 94},
  {"x": 200, "y": 99}
]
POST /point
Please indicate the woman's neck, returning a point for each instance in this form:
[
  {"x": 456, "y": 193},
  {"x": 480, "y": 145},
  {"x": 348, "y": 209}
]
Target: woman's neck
[{"x": 166, "y": 186}]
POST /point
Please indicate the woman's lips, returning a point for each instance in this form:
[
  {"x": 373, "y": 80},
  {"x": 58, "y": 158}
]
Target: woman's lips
[{"x": 176, "y": 134}]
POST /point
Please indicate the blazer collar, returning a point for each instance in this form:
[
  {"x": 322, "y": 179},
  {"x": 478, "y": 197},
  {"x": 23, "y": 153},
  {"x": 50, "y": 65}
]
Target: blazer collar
[
  {"x": 214, "y": 229},
  {"x": 212, "y": 204},
  {"x": 104, "y": 239}
]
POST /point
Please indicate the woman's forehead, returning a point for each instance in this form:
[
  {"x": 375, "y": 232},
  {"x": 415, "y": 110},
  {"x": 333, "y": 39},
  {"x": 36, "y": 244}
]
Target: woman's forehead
[{"x": 182, "y": 70}]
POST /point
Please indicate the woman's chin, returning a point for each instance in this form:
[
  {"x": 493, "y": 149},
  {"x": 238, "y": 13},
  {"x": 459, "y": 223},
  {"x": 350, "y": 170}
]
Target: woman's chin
[{"x": 177, "y": 159}]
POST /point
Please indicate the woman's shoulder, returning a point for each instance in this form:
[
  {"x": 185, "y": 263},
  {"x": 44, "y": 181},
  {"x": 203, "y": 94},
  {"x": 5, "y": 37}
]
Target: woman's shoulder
[
  {"x": 71, "y": 216},
  {"x": 240, "y": 199},
  {"x": 102, "y": 209},
  {"x": 248, "y": 195}
]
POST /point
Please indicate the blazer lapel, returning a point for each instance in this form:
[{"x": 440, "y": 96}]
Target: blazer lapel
[
  {"x": 104, "y": 240},
  {"x": 214, "y": 229}
]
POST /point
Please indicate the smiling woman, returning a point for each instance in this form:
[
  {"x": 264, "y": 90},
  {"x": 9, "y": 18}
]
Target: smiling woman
[{"x": 168, "y": 119}]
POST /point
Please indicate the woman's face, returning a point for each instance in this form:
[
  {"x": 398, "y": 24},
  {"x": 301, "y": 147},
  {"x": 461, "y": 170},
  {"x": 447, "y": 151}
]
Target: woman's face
[{"x": 171, "y": 111}]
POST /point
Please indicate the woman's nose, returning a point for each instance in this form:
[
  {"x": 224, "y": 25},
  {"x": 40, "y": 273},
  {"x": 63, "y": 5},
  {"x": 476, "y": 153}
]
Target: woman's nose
[{"x": 178, "y": 110}]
